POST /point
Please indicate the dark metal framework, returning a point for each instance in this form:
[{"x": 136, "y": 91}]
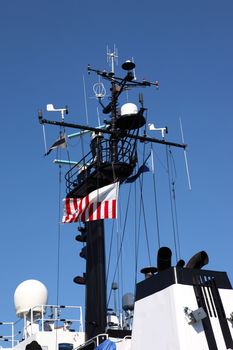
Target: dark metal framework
[
  {"x": 118, "y": 133},
  {"x": 90, "y": 174}
]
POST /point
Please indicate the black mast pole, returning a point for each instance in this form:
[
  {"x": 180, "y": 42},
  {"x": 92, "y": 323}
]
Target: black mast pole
[
  {"x": 96, "y": 308},
  {"x": 95, "y": 313}
]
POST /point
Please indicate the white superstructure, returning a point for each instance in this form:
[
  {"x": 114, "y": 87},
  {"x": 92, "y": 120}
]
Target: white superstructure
[{"x": 181, "y": 308}]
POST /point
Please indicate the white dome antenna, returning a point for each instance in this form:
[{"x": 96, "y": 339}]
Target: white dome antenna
[
  {"x": 30, "y": 294},
  {"x": 129, "y": 109}
]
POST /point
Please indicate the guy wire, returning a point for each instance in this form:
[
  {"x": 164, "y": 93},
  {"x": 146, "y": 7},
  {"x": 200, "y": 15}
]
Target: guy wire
[{"x": 171, "y": 203}]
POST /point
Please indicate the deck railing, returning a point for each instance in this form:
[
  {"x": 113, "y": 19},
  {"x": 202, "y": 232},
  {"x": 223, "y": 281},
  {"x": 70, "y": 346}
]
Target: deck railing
[{"x": 49, "y": 318}]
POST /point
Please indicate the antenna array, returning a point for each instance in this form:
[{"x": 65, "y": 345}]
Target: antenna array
[{"x": 112, "y": 57}]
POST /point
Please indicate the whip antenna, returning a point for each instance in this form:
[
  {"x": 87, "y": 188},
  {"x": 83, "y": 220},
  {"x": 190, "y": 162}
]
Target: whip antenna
[
  {"x": 185, "y": 156},
  {"x": 140, "y": 99},
  {"x": 134, "y": 72},
  {"x": 85, "y": 100},
  {"x": 40, "y": 116}
]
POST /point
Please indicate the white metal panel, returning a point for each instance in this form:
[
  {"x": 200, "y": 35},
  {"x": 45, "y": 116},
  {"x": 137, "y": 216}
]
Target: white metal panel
[{"x": 159, "y": 321}]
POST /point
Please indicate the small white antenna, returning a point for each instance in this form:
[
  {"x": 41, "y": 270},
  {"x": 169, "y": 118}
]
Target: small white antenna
[
  {"x": 162, "y": 130},
  {"x": 99, "y": 90},
  {"x": 134, "y": 72},
  {"x": 50, "y": 108},
  {"x": 185, "y": 157},
  {"x": 112, "y": 58},
  {"x": 45, "y": 143},
  {"x": 98, "y": 116},
  {"x": 152, "y": 160}
]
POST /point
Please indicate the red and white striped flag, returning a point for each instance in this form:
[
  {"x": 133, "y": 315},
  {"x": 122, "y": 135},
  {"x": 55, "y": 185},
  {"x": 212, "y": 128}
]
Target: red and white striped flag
[{"x": 99, "y": 204}]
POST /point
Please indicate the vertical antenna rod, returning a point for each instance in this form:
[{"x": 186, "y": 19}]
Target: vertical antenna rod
[
  {"x": 112, "y": 57},
  {"x": 85, "y": 100}
]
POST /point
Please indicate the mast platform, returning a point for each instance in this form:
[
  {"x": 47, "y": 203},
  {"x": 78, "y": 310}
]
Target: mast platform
[{"x": 97, "y": 170}]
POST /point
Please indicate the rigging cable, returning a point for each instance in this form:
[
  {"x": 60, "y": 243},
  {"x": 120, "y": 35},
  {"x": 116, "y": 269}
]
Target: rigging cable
[
  {"x": 171, "y": 184},
  {"x": 58, "y": 243},
  {"x": 120, "y": 270},
  {"x": 144, "y": 217},
  {"x": 110, "y": 251},
  {"x": 137, "y": 241},
  {"x": 176, "y": 221},
  {"x": 121, "y": 245},
  {"x": 143, "y": 207},
  {"x": 175, "y": 207},
  {"x": 59, "y": 231},
  {"x": 120, "y": 273},
  {"x": 137, "y": 236},
  {"x": 155, "y": 197},
  {"x": 171, "y": 205},
  {"x": 68, "y": 153}
]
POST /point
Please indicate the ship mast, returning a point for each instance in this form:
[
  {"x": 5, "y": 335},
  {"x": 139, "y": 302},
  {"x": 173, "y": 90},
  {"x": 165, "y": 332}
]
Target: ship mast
[{"x": 113, "y": 157}]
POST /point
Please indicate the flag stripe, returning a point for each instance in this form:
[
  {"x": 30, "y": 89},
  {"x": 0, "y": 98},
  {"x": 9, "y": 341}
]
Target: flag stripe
[
  {"x": 106, "y": 213},
  {"x": 91, "y": 212},
  {"x": 80, "y": 208},
  {"x": 85, "y": 203},
  {"x": 114, "y": 209},
  {"x": 68, "y": 208},
  {"x": 75, "y": 204},
  {"x": 67, "y": 200},
  {"x": 98, "y": 211}
]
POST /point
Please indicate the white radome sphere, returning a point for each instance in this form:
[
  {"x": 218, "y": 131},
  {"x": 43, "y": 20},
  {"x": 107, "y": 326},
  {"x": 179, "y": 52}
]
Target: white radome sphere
[
  {"x": 29, "y": 294},
  {"x": 129, "y": 108}
]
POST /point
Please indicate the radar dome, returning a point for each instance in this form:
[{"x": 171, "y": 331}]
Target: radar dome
[
  {"x": 128, "y": 109},
  {"x": 128, "y": 302},
  {"x": 30, "y": 294}
]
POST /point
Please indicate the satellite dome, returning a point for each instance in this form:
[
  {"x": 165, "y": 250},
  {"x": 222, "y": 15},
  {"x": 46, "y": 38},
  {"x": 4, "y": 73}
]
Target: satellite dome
[
  {"x": 129, "y": 108},
  {"x": 130, "y": 118},
  {"x": 128, "y": 302},
  {"x": 30, "y": 294}
]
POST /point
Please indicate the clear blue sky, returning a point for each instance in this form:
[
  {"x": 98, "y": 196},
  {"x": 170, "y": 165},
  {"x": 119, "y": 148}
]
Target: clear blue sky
[{"x": 45, "y": 49}]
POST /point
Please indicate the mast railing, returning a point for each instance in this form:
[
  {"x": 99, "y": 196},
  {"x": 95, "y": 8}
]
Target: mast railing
[{"x": 90, "y": 163}]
